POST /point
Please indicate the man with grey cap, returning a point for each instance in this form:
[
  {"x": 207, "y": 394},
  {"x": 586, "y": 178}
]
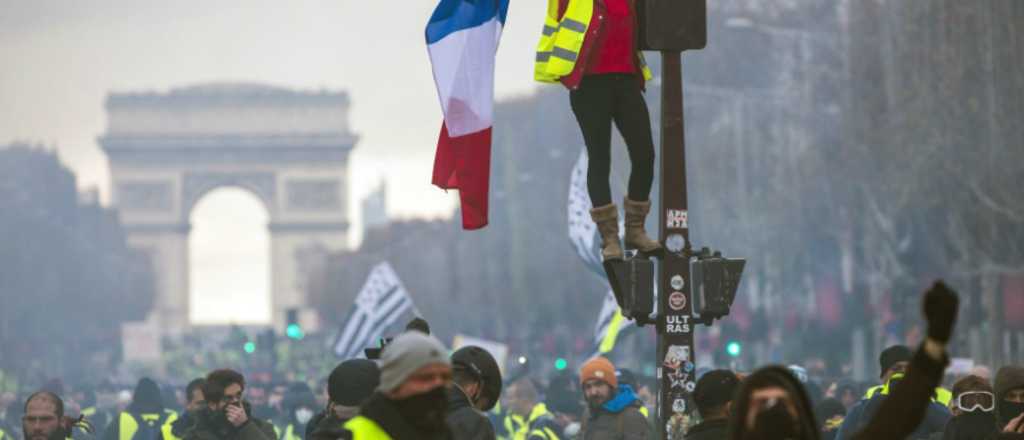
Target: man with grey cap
[{"x": 410, "y": 403}]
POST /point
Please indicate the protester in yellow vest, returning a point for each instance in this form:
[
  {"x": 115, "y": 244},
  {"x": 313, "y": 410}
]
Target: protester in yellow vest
[
  {"x": 145, "y": 418},
  {"x": 411, "y": 400},
  {"x": 591, "y": 47}
]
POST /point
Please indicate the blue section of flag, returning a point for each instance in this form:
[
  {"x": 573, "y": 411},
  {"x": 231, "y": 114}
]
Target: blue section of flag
[{"x": 452, "y": 16}]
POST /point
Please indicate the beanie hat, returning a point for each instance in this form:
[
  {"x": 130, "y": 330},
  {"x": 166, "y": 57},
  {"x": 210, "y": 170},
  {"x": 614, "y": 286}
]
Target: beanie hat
[
  {"x": 715, "y": 388},
  {"x": 601, "y": 369},
  {"x": 407, "y": 353},
  {"x": 890, "y": 356},
  {"x": 1008, "y": 378},
  {"x": 353, "y": 381}
]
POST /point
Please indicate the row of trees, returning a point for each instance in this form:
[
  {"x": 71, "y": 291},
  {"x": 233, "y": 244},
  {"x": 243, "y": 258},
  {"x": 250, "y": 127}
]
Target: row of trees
[{"x": 67, "y": 277}]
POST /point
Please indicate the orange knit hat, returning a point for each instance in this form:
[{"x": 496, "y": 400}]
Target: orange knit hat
[{"x": 599, "y": 368}]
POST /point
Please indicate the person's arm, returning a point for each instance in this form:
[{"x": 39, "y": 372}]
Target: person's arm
[{"x": 905, "y": 407}]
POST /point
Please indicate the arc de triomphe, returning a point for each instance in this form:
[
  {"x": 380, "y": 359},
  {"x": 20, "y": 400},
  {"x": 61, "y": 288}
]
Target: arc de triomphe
[{"x": 289, "y": 148}]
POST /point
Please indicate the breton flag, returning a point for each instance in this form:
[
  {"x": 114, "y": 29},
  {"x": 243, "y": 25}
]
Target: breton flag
[
  {"x": 462, "y": 39},
  {"x": 610, "y": 323},
  {"x": 583, "y": 234},
  {"x": 381, "y": 302}
]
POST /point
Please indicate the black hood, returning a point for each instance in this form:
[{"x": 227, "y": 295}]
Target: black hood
[
  {"x": 147, "y": 398},
  {"x": 774, "y": 376}
]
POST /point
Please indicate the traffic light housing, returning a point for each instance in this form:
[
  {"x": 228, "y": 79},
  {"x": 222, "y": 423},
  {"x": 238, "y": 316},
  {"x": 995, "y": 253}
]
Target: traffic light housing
[
  {"x": 714, "y": 283},
  {"x": 632, "y": 283},
  {"x": 293, "y": 330}
]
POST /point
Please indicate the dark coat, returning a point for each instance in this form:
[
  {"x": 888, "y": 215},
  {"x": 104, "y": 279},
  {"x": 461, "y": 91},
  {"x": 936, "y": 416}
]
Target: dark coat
[
  {"x": 385, "y": 414},
  {"x": 208, "y": 427},
  {"x": 329, "y": 427},
  {"x": 935, "y": 419},
  {"x": 900, "y": 414},
  {"x": 464, "y": 421},
  {"x": 717, "y": 429},
  {"x": 629, "y": 424}
]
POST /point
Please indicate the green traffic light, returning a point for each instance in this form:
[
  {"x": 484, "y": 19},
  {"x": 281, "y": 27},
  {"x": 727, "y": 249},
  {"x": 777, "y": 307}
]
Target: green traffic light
[
  {"x": 250, "y": 347},
  {"x": 560, "y": 364},
  {"x": 733, "y": 348},
  {"x": 294, "y": 331}
]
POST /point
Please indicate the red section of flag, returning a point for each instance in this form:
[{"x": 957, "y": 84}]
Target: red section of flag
[{"x": 464, "y": 163}]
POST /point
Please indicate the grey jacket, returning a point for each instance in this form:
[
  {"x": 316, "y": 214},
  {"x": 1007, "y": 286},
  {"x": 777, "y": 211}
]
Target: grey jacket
[{"x": 629, "y": 424}]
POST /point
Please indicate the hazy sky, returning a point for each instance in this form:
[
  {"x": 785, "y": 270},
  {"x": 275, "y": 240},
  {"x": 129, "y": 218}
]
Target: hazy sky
[{"x": 60, "y": 59}]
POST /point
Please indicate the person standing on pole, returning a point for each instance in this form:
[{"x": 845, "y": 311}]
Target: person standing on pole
[{"x": 590, "y": 46}]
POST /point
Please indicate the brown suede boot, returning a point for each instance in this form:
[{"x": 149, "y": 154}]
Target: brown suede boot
[
  {"x": 636, "y": 237},
  {"x": 607, "y": 219}
]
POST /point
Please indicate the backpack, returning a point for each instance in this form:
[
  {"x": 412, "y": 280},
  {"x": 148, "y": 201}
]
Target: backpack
[{"x": 150, "y": 427}]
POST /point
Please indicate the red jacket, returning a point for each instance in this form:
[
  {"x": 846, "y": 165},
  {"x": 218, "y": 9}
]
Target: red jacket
[{"x": 595, "y": 36}]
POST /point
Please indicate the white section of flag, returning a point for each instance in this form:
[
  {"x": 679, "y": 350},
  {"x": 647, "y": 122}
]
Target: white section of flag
[
  {"x": 382, "y": 301},
  {"x": 463, "y": 63}
]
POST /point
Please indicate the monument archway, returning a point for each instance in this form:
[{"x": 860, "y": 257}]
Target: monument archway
[{"x": 289, "y": 148}]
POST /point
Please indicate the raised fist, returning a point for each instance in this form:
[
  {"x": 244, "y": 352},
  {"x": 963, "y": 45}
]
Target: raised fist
[{"x": 940, "y": 309}]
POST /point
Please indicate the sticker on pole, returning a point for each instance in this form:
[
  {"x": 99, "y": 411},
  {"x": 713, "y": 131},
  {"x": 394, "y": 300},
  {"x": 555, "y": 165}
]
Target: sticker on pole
[
  {"x": 675, "y": 243},
  {"x": 677, "y": 282},
  {"x": 679, "y": 405},
  {"x": 676, "y": 219},
  {"x": 677, "y": 301}
]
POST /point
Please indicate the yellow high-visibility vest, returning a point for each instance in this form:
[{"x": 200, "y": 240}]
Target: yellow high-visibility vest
[
  {"x": 363, "y": 428},
  {"x": 128, "y": 425},
  {"x": 941, "y": 395},
  {"x": 562, "y": 39}
]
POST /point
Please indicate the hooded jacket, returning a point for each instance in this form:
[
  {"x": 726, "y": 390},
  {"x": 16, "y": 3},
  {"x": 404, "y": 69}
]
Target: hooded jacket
[
  {"x": 774, "y": 376},
  {"x": 1007, "y": 379}
]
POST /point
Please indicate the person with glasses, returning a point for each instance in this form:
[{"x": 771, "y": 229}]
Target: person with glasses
[
  {"x": 411, "y": 401},
  {"x": 973, "y": 407},
  {"x": 227, "y": 416}
]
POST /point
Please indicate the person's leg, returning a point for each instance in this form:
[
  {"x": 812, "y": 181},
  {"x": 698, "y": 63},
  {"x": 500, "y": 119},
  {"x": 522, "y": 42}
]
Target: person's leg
[
  {"x": 634, "y": 123},
  {"x": 592, "y": 105}
]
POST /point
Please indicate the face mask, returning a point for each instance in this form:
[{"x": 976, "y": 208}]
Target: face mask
[
  {"x": 303, "y": 415},
  {"x": 426, "y": 411},
  {"x": 774, "y": 423},
  {"x": 971, "y": 426},
  {"x": 1009, "y": 410}
]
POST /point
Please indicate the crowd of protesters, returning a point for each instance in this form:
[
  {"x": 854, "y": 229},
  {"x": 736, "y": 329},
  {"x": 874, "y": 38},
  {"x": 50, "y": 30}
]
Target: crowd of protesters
[{"x": 419, "y": 390}]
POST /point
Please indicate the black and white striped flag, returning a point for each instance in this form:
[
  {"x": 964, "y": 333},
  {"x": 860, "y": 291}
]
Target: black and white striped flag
[
  {"x": 610, "y": 323},
  {"x": 381, "y": 302}
]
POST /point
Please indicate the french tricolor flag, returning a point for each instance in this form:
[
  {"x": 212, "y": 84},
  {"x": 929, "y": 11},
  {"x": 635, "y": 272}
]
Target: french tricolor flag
[{"x": 462, "y": 38}]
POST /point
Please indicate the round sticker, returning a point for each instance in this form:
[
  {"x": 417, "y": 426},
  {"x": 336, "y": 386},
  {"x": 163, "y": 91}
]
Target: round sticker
[
  {"x": 679, "y": 405},
  {"x": 676, "y": 301},
  {"x": 675, "y": 243},
  {"x": 690, "y": 386},
  {"x": 688, "y": 366},
  {"x": 677, "y": 282}
]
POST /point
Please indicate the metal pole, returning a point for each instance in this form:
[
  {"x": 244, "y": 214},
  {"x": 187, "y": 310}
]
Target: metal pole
[{"x": 675, "y": 355}]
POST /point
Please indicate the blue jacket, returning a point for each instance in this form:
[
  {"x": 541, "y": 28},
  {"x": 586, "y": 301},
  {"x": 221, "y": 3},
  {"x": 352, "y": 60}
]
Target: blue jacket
[{"x": 935, "y": 418}]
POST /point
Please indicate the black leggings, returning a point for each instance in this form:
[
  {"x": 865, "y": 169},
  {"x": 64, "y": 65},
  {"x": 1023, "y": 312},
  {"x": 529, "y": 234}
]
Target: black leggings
[{"x": 598, "y": 101}]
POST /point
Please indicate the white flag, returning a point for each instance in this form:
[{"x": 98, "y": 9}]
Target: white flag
[{"x": 382, "y": 300}]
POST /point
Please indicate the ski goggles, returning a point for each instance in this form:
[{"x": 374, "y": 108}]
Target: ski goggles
[{"x": 970, "y": 401}]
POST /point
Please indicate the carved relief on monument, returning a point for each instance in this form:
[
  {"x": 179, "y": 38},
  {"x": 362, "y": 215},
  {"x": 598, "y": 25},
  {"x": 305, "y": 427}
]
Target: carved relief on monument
[
  {"x": 145, "y": 195},
  {"x": 313, "y": 194},
  {"x": 196, "y": 185}
]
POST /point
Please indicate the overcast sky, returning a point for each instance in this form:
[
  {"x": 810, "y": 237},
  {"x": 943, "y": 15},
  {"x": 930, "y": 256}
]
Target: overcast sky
[{"x": 61, "y": 58}]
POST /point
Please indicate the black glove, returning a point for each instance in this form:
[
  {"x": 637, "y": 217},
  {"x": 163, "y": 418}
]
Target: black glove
[{"x": 940, "y": 309}]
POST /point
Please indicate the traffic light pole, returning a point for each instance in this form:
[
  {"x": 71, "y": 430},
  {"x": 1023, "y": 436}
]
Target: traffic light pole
[{"x": 675, "y": 355}]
